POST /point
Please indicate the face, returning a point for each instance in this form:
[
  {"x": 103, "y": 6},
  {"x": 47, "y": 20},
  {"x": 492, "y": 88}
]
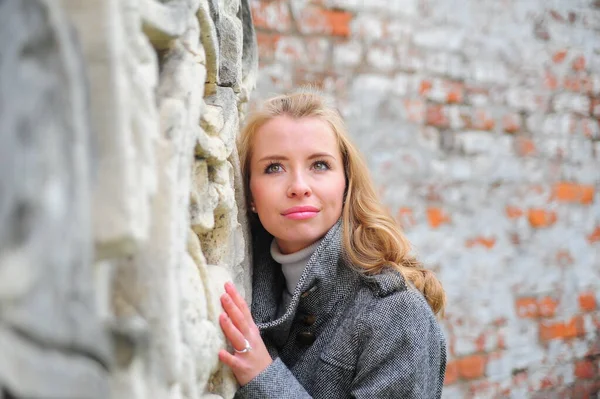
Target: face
[{"x": 297, "y": 180}]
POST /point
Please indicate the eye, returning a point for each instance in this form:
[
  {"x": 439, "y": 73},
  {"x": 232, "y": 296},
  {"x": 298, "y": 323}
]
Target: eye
[
  {"x": 274, "y": 167},
  {"x": 321, "y": 165}
]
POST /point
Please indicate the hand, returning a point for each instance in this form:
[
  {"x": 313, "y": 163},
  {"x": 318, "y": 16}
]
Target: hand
[{"x": 238, "y": 326}]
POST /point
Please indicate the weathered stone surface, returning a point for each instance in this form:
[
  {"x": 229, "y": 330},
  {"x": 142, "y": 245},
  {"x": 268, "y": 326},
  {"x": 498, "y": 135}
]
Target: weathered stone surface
[
  {"x": 45, "y": 372},
  {"x": 230, "y": 45},
  {"x": 249, "y": 49},
  {"x": 164, "y": 22},
  {"x": 204, "y": 199},
  {"x": 226, "y": 100},
  {"x": 148, "y": 281},
  {"x": 207, "y": 17},
  {"x": 104, "y": 287},
  {"x": 122, "y": 72},
  {"x": 48, "y": 321}
]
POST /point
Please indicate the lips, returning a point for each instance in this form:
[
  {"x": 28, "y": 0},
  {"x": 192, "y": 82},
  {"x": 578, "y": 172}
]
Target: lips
[{"x": 300, "y": 209}]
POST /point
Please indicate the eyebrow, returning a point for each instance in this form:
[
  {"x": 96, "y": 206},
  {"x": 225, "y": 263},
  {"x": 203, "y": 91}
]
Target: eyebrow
[{"x": 283, "y": 158}]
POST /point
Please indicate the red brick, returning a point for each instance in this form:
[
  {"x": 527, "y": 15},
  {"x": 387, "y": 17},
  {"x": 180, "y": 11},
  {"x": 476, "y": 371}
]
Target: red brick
[
  {"x": 514, "y": 212},
  {"x": 455, "y": 96},
  {"x": 271, "y": 15},
  {"x": 527, "y": 308},
  {"x": 317, "y": 20},
  {"x": 594, "y": 236},
  {"x": 540, "y": 218},
  {"x": 511, "y": 123},
  {"x": 482, "y": 120},
  {"x": 587, "y": 301},
  {"x": 578, "y": 63},
  {"x": 451, "y": 373},
  {"x": 547, "y": 306},
  {"x": 471, "y": 367},
  {"x": 487, "y": 242},
  {"x": 559, "y": 56},
  {"x": 267, "y": 44},
  {"x": 595, "y": 107},
  {"x": 574, "y": 193},
  {"x": 437, "y": 217},
  {"x": 414, "y": 110},
  {"x": 524, "y": 146},
  {"x": 550, "y": 80},
  {"x": 580, "y": 83},
  {"x": 424, "y": 87},
  {"x": 561, "y": 330},
  {"x": 436, "y": 116},
  {"x": 586, "y": 369}
]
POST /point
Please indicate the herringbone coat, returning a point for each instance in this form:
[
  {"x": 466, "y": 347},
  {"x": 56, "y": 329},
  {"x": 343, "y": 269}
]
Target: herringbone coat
[{"x": 344, "y": 334}]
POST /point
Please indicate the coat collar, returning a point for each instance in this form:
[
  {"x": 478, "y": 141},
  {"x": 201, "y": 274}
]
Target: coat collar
[{"x": 325, "y": 280}]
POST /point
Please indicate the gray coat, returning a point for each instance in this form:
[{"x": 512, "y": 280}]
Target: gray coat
[{"x": 344, "y": 334}]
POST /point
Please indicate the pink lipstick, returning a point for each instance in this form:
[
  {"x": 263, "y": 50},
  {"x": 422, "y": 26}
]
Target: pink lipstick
[{"x": 300, "y": 212}]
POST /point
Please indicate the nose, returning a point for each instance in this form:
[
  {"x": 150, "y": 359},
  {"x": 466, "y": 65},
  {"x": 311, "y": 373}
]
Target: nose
[{"x": 298, "y": 186}]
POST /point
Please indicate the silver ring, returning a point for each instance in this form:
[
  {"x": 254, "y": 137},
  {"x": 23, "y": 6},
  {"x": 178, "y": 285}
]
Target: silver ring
[{"x": 247, "y": 348}]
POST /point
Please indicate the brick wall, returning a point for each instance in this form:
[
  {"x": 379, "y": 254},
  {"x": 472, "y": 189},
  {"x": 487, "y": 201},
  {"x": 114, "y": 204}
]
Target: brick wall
[{"x": 480, "y": 122}]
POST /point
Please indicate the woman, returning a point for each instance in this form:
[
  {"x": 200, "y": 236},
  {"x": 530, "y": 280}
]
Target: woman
[{"x": 340, "y": 308}]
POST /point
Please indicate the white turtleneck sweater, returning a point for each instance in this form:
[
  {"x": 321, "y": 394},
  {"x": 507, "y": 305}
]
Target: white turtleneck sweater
[{"x": 292, "y": 266}]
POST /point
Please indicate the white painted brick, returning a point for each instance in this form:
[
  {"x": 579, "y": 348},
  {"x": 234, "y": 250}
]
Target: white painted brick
[
  {"x": 381, "y": 57},
  {"x": 347, "y": 54},
  {"x": 570, "y": 102},
  {"x": 440, "y": 38}
]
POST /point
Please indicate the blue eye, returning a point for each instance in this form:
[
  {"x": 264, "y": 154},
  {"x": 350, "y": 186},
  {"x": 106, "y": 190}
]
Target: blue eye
[
  {"x": 321, "y": 165},
  {"x": 273, "y": 168}
]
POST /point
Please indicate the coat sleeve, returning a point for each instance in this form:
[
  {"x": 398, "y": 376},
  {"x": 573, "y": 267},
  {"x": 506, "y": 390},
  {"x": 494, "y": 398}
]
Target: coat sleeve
[
  {"x": 403, "y": 352},
  {"x": 276, "y": 381}
]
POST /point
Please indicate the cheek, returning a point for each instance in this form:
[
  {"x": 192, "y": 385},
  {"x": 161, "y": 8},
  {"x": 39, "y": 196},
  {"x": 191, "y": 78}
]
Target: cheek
[
  {"x": 336, "y": 192},
  {"x": 258, "y": 191}
]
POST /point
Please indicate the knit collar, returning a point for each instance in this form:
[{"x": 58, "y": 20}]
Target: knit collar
[{"x": 292, "y": 265}]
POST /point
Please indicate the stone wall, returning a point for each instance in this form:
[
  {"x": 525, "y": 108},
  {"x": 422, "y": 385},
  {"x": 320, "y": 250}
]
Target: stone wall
[
  {"x": 118, "y": 215},
  {"x": 479, "y": 120}
]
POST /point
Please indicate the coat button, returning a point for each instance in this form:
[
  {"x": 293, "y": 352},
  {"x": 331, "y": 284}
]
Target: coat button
[
  {"x": 306, "y": 337},
  {"x": 309, "y": 319}
]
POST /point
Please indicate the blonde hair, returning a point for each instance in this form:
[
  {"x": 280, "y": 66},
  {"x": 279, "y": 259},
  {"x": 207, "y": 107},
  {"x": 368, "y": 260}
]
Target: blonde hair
[{"x": 371, "y": 238}]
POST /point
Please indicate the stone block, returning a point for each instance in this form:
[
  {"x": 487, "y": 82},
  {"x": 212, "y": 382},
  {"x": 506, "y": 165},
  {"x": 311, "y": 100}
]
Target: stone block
[
  {"x": 122, "y": 71},
  {"x": 208, "y": 15},
  {"x": 224, "y": 98},
  {"x": 571, "y": 102},
  {"x": 204, "y": 199},
  {"x": 347, "y": 54},
  {"x": 230, "y": 50},
  {"x": 45, "y": 372},
  {"x": 164, "y": 22},
  {"x": 45, "y": 180}
]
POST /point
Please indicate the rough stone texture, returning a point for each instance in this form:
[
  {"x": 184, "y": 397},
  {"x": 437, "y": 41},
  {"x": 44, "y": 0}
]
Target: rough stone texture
[
  {"x": 479, "y": 120},
  {"x": 118, "y": 189}
]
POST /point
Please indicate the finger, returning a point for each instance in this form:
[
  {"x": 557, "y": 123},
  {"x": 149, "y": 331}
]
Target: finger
[
  {"x": 234, "y": 313},
  {"x": 233, "y": 335},
  {"x": 238, "y": 300},
  {"x": 229, "y": 359}
]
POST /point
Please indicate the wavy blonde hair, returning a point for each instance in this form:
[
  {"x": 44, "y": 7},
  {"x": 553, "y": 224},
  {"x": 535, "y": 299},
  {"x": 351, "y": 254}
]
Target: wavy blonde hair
[{"x": 371, "y": 238}]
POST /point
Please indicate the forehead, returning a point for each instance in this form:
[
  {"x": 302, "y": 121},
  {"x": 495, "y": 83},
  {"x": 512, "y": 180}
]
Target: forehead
[{"x": 306, "y": 134}]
